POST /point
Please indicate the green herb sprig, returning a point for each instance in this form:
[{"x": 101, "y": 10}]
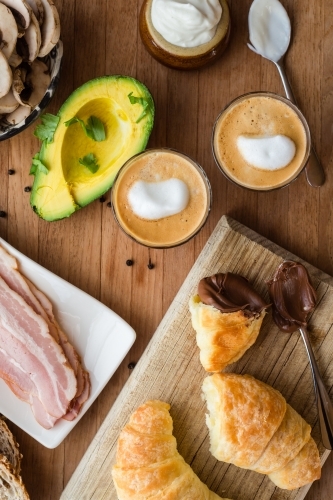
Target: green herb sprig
[
  {"x": 147, "y": 105},
  {"x": 45, "y": 131},
  {"x": 38, "y": 166},
  {"x": 90, "y": 162},
  {"x": 94, "y": 128}
]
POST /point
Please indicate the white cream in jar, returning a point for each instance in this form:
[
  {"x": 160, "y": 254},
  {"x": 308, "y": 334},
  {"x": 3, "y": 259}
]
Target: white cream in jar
[{"x": 186, "y": 23}]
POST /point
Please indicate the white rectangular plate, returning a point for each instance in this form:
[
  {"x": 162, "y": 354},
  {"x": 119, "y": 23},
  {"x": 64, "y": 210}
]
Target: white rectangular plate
[{"x": 99, "y": 335}]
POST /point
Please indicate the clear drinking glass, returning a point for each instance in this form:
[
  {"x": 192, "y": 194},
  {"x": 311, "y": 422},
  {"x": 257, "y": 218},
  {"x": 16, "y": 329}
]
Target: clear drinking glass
[
  {"x": 157, "y": 165},
  {"x": 246, "y": 115}
]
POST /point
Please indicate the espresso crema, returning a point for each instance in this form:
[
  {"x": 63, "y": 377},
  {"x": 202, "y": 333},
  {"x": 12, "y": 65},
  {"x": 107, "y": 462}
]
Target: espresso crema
[
  {"x": 158, "y": 166},
  {"x": 260, "y": 116}
]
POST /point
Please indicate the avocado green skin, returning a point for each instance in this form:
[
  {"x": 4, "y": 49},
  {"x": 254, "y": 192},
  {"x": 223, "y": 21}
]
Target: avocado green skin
[{"x": 56, "y": 195}]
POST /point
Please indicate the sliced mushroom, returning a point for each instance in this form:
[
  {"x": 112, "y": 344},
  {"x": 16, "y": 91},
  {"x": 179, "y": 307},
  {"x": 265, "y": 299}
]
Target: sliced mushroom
[
  {"x": 38, "y": 9},
  {"x": 8, "y": 31},
  {"x": 33, "y": 38},
  {"x": 30, "y": 83},
  {"x": 18, "y": 85},
  {"x": 20, "y": 10},
  {"x": 8, "y": 103},
  {"x": 6, "y": 76},
  {"x": 50, "y": 28},
  {"x": 14, "y": 60},
  {"x": 20, "y": 114},
  {"x": 21, "y": 31},
  {"x": 37, "y": 81}
]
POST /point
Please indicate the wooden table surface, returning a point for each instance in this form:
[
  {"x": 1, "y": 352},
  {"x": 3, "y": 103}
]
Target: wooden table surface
[{"x": 101, "y": 37}]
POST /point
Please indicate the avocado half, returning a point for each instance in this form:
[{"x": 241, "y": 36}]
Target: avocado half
[{"x": 69, "y": 185}]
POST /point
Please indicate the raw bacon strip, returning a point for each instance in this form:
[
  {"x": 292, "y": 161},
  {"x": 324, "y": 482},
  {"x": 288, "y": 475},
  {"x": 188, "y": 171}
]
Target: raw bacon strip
[
  {"x": 78, "y": 402},
  {"x": 44, "y": 302},
  {"x": 31, "y": 366},
  {"x": 31, "y": 329},
  {"x": 41, "y": 305},
  {"x": 14, "y": 279},
  {"x": 83, "y": 379},
  {"x": 23, "y": 387}
]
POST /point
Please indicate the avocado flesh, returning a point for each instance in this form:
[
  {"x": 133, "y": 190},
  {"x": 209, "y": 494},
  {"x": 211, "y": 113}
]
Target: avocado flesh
[
  {"x": 70, "y": 185},
  {"x": 50, "y": 196}
]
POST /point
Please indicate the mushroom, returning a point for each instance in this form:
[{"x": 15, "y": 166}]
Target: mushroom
[
  {"x": 8, "y": 103},
  {"x": 20, "y": 114},
  {"x": 33, "y": 38},
  {"x": 37, "y": 81},
  {"x": 50, "y": 28},
  {"x": 18, "y": 85},
  {"x": 21, "y": 12},
  {"x": 6, "y": 76},
  {"x": 38, "y": 10},
  {"x": 30, "y": 83},
  {"x": 14, "y": 60},
  {"x": 8, "y": 31}
]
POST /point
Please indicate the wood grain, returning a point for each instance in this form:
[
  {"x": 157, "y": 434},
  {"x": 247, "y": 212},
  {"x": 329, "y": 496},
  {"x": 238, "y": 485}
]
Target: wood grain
[
  {"x": 88, "y": 249},
  {"x": 172, "y": 355}
]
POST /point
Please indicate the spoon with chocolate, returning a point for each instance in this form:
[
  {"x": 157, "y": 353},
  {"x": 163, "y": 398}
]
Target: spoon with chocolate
[
  {"x": 293, "y": 299},
  {"x": 269, "y": 31}
]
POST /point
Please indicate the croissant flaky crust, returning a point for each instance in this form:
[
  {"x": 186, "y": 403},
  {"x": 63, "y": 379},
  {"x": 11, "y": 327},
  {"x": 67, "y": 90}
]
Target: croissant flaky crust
[
  {"x": 253, "y": 427},
  {"x": 148, "y": 463},
  {"x": 222, "y": 337}
]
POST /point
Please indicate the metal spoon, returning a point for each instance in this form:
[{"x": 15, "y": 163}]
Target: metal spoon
[
  {"x": 293, "y": 298},
  {"x": 324, "y": 403},
  {"x": 314, "y": 171}
]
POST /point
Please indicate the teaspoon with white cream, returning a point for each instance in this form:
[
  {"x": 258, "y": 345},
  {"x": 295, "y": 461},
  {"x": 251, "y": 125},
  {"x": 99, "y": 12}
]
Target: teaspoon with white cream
[{"x": 269, "y": 30}]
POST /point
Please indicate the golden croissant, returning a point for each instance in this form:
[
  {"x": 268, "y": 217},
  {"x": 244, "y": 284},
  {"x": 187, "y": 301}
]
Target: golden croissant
[
  {"x": 252, "y": 426},
  {"x": 227, "y": 316},
  {"x": 148, "y": 463}
]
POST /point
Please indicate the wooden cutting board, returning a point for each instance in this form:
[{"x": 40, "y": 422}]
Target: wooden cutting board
[{"x": 170, "y": 370}]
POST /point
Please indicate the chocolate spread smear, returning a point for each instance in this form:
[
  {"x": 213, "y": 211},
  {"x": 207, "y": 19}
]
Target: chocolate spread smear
[
  {"x": 292, "y": 295},
  {"x": 230, "y": 293}
]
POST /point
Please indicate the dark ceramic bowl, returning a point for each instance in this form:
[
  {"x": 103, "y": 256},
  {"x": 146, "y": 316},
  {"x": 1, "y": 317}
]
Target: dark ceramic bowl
[
  {"x": 53, "y": 61},
  {"x": 178, "y": 57}
]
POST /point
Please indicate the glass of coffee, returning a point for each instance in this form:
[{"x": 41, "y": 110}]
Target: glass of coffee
[
  {"x": 261, "y": 141},
  {"x": 161, "y": 198}
]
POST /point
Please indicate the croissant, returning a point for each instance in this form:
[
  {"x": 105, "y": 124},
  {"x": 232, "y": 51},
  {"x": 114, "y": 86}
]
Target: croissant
[
  {"x": 148, "y": 463},
  {"x": 227, "y": 316},
  {"x": 252, "y": 426}
]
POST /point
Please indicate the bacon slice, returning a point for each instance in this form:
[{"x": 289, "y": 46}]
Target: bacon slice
[
  {"x": 24, "y": 331},
  {"x": 23, "y": 387},
  {"x": 10, "y": 274},
  {"x": 82, "y": 376},
  {"x": 41, "y": 305}
]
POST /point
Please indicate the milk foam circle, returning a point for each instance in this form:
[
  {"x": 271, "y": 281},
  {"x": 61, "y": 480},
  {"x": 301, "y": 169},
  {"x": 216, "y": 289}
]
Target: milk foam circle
[
  {"x": 269, "y": 28},
  {"x": 156, "y": 200},
  {"x": 186, "y": 23},
  {"x": 267, "y": 153}
]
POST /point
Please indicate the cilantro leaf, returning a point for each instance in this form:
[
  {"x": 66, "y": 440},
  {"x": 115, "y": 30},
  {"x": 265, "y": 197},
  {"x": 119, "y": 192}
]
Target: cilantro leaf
[
  {"x": 37, "y": 166},
  {"x": 97, "y": 129},
  {"x": 94, "y": 129},
  {"x": 90, "y": 161},
  {"x": 45, "y": 131},
  {"x": 75, "y": 119},
  {"x": 146, "y": 103}
]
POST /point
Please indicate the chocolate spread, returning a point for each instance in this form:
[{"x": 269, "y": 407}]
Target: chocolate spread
[
  {"x": 229, "y": 293},
  {"x": 292, "y": 295}
]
